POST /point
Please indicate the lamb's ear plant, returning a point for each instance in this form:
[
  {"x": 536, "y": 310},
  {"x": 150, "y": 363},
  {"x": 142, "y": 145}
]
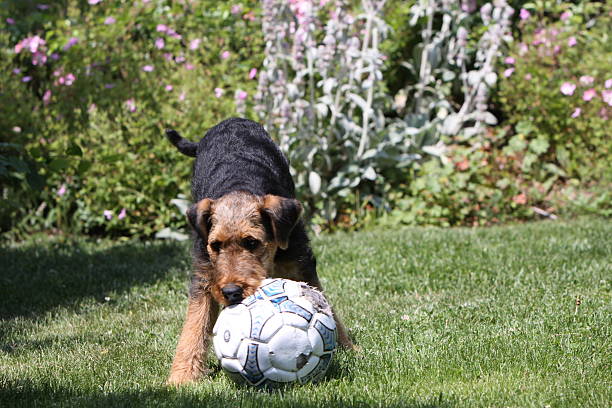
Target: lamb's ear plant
[
  {"x": 321, "y": 92},
  {"x": 446, "y": 58},
  {"x": 320, "y": 95}
]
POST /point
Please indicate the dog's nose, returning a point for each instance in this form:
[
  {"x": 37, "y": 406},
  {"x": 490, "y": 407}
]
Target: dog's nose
[{"x": 232, "y": 293}]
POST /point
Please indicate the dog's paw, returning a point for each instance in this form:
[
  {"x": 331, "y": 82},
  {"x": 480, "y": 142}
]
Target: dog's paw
[{"x": 181, "y": 377}]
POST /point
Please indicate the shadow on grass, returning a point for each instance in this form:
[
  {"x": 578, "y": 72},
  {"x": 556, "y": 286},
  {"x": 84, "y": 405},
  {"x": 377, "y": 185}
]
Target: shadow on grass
[
  {"x": 37, "y": 278},
  {"x": 25, "y": 394}
]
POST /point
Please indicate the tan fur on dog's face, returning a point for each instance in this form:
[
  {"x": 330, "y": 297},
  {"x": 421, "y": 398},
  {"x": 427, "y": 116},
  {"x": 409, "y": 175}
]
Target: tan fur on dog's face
[
  {"x": 242, "y": 233},
  {"x": 240, "y": 249}
]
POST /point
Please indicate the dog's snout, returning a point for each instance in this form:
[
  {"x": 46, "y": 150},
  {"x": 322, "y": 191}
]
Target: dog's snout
[{"x": 232, "y": 293}]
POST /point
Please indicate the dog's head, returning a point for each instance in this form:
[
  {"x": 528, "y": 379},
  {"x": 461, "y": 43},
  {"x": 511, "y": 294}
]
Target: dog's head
[{"x": 241, "y": 233}]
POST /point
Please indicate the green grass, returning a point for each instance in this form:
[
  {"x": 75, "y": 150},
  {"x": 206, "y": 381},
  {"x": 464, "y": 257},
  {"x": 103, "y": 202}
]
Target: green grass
[{"x": 445, "y": 317}]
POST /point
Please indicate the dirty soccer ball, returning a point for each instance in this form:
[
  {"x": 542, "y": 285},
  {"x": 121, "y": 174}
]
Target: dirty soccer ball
[{"x": 283, "y": 333}]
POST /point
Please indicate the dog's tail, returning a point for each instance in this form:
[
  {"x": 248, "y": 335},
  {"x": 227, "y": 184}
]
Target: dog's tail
[{"x": 183, "y": 145}]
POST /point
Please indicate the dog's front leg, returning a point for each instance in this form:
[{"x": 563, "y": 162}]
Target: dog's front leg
[{"x": 191, "y": 351}]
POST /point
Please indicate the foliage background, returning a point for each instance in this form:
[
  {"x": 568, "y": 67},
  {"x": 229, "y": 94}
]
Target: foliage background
[{"x": 82, "y": 147}]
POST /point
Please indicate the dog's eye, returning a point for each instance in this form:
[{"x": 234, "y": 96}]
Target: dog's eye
[
  {"x": 215, "y": 246},
  {"x": 251, "y": 244}
]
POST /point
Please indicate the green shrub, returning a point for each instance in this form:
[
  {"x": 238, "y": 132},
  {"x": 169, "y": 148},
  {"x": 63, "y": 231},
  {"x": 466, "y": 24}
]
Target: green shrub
[
  {"x": 90, "y": 118},
  {"x": 554, "y": 95}
]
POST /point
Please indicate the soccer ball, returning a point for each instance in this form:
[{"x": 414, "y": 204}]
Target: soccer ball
[{"x": 283, "y": 333}]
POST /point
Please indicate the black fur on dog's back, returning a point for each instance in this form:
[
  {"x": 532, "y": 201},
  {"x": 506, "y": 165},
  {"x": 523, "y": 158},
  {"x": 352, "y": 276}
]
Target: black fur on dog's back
[{"x": 236, "y": 155}]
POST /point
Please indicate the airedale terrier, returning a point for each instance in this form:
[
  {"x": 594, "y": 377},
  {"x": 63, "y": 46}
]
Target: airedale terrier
[{"x": 247, "y": 227}]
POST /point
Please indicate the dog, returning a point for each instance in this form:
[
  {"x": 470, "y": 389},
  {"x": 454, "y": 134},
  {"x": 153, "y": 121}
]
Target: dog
[{"x": 247, "y": 227}]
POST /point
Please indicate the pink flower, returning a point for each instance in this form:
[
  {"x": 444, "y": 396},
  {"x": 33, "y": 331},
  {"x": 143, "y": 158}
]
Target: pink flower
[
  {"x": 524, "y": 14},
  {"x": 62, "y": 190},
  {"x": 10, "y": 21},
  {"x": 607, "y": 97},
  {"x": 576, "y": 113},
  {"x": 182, "y": 96},
  {"x": 131, "y": 105},
  {"x": 189, "y": 66},
  {"x": 194, "y": 44},
  {"x": 160, "y": 43},
  {"x": 122, "y": 214},
  {"x": 241, "y": 95},
  {"x": 528, "y": 77},
  {"x": 162, "y": 28},
  {"x": 523, "y": 49},
  {"x": 173, "y": 34},
  {"x": 218, "y": 92},
  {"x": 589, "y": 94},
  {"x": 586, "y": 80},
  {"x": 47, "y": 97},
  {"x": 236, "y": 9},
  {"x": 250, "y": 16},
  {"x": 108, "y": 214},
  {"x": 508, "y": 72},
  {"x": 93, "y": 2},
  {"x": 565, "y": 15},
  {"x": 225, "y": 55},
  {"x": 509, "y": 60},
  {"x": 180, "y": 59},
  {"x": 110, "y": 20},
  {"x": 168, "y": 88},
  {"x": 69, "y": 79},
  {"x": 148, "y": 68},
  {"x": 608, "y": 83},
  {"x": 567, "y": 88},
  {"x": 469, "y": 6},
  {"x": 252, "y": 73},
  {"x": 571, "y": 41}
]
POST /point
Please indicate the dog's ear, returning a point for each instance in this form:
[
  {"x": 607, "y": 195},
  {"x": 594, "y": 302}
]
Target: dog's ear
[
  {"x": 199, "y": 217},
  {"x": 284, "y": 213}
]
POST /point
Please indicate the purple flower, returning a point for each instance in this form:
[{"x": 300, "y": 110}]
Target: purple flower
[
  {"x": 469, "y": 6},
  {"x": 94, "y": 2},
  {"x": 10, "y": 21},
  {"x": 26, "y": 78},
  {"x": 225, "y": 55},
  {"x": 55, "y": 56},
  {"x": 62, "y": 190},
  {"x": 608, "y": 83},
  {"x": 162, "y": 28},
  {"x": 71, "y": 42},
  {"x": 16, "y": 71},
  {"x": 39, "y": 58},
  {"x": 567, "y": 88},
  {"x": 108, "y": 214},
  {"x": 252, "y": 73},
  {"x": 42, "y": 7},
  {"x": 194, "y": 44},
  {"x": 576, "y": 113},
  {"x": 160, "y": 43},
  {"x": 524, "y": 14},
  {"x": 589, "y": 94},
  {"x": 131, "y": 105},
  {"x": 148, "y": 68},
  {"x": 122, "y": 214},
  {"x": 180, "y": 59},
  {"x": 572, "y": 41},
  {"x": 607, "y": 97},
  {"x": 508, "y": 72},
  {"x": 218, "y": 92},
  {"x": 168, "y": 88},
  {"x": 109, "y": 86},
  {"x": 110, "y": 20},
  {"x": 47, "y": 97}
]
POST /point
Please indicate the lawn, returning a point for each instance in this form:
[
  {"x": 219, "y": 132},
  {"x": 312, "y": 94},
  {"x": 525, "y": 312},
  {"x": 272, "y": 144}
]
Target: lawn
[{"x": 444, "y": 317}]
